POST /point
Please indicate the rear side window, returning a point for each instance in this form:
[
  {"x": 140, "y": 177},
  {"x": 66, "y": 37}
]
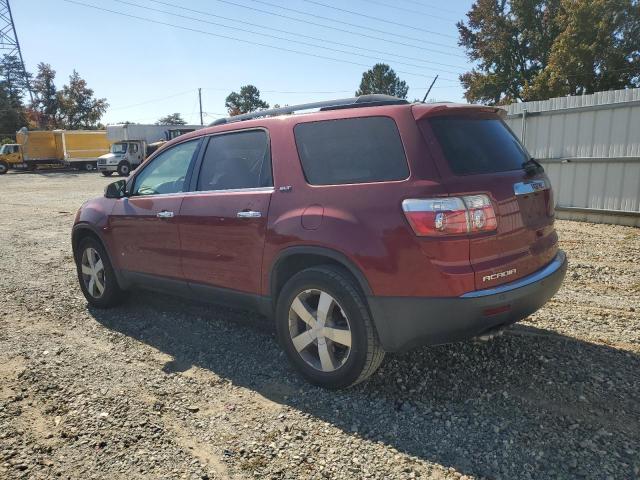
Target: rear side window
[
  {"x": 236, "y": 160},
  {"x": 478, "y": 145},
  {"x": 353, "y": 150}
]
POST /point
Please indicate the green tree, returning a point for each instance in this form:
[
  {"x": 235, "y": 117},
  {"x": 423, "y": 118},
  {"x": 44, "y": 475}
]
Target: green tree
[
  {"x": 536, "y": 49},
  {"x": 13, "y": 85},
  {"x": 172, "y": 119},
  {"x": 14, "y": 78},
  {"x": 248, "y": 100},
  {"x": 12, "y": 116},
  {"x": 77, "y": 107},
  {"x": 382, "y": 79},
  {"x": 45, "y": 102}
]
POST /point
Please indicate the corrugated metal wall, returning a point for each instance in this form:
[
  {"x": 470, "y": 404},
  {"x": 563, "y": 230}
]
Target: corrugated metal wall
[{"x": 590, "y": 148}]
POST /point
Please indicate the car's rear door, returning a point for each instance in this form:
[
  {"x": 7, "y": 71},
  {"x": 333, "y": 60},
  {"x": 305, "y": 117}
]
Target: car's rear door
[
  {"x": 144, "y": 225},
  {"x": 223, "y": 221},
  {"x": 477, "y": 154}
]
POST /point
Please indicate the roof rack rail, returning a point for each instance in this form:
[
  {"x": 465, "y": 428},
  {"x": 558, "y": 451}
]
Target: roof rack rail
[{"x": 354, "y": 102}]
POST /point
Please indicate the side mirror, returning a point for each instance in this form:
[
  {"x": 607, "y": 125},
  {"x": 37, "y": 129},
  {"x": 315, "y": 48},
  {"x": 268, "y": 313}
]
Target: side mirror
[{"x": 116, "y": 189}]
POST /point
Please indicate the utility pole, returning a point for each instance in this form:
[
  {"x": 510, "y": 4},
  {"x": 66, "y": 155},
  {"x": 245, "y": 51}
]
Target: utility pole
[
  {"x": 9, "y": 44},
  {"x": 200, "y": 100}
]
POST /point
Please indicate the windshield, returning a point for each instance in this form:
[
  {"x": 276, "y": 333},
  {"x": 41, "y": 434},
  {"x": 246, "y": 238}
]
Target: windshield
[
  {"x": 478, "y": 145},
  {"x": 119, "y": 148}
]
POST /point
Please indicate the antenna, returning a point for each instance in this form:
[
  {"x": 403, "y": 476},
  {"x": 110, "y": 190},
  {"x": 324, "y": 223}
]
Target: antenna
[
  {"x": 429, "y": 91},
  {"x": 9, "y": 44}
]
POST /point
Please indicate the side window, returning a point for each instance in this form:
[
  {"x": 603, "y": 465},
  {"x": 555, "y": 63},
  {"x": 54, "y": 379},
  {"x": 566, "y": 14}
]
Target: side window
[
  {"x": 236, "y": 160},
  {"x": 166, "y": 173},
  {"x": 134, "y": 148},
  {"x": 352, "y": 150}
]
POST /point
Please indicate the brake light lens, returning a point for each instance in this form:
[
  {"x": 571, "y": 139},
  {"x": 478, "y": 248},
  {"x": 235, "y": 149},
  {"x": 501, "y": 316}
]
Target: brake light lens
[{"x": 433, "y": 217}]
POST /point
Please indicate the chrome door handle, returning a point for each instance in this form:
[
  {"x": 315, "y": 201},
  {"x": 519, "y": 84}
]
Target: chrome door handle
[
  {"x": 249, "y": 214},
  {"x": 164, "y": 214}
]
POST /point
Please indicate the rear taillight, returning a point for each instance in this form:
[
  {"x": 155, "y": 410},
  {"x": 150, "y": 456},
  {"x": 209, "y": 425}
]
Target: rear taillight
[{"x": 450, "y": 215}]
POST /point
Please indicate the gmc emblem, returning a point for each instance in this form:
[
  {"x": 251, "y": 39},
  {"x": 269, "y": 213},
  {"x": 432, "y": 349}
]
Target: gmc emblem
[{"x": 495, "y": 276}]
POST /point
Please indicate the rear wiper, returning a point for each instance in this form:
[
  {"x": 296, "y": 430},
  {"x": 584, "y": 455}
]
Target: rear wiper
[{"x": 532, "y": 166}]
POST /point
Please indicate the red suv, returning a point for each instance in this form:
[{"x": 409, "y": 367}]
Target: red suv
[{"x": 367, "y": 225}]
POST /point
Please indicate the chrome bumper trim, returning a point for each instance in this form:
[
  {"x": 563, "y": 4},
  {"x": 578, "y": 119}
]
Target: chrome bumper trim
[{"x": 541, "y": 274}]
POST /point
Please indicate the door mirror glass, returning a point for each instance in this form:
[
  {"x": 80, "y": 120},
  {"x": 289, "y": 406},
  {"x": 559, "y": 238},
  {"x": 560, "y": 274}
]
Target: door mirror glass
[{"x": 116, "y": 189}]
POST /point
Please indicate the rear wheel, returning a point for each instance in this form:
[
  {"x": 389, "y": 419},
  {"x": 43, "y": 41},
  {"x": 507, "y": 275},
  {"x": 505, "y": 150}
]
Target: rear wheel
[
  {"x": 4, "y": 167},
  {"x": 124, "y": 169},
  {"x": 324, "y": 327},
  {"x": 107, "y": 174},
  {"x": 96, "y": 275},
  {"x": 87, "y": 167}
]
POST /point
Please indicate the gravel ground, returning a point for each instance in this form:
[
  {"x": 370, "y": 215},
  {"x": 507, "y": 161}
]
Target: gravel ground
[{"x": 161, "y": 388}]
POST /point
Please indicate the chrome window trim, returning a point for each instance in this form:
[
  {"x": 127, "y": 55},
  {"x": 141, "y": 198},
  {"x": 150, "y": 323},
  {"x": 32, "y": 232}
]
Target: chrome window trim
[
  {"x": 198, "y": 192},
  {"x": 541, "y": 274},
  {"x": 526, "y": 188}
]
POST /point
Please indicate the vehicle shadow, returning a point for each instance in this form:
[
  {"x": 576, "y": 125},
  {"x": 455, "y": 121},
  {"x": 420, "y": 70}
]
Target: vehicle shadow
[
  {"x": 52, "y": 172},
  {"x": 530, "y": 404}
]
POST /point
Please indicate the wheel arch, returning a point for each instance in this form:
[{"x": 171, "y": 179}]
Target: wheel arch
[
  {"x": 295, "y": 259},
  {"x": 83, "y": 230}
]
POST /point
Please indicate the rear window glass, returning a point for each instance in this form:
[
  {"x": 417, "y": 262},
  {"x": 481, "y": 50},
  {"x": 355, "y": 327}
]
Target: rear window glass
[
  {"x": 478, "y": 145},
  {"x": 352, "y": 150}
]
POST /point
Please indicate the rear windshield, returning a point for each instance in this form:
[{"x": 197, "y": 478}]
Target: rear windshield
[
  {"x": 478, "y": 145},
  {"x": 353, "y": 150}
]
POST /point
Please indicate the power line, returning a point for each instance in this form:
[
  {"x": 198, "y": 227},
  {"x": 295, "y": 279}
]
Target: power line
[
  {"x": 276, "y": 37},
  {"x": 309, "y": 36},
  {"x": 378, "y": 19},
  {"x": 409, "y": 10},
  {"x": 152, "y": 101},
  {"x": 228, "y": 2},
  {"x": 431, "y": 6},
  {"x": 227, "y": 37}
]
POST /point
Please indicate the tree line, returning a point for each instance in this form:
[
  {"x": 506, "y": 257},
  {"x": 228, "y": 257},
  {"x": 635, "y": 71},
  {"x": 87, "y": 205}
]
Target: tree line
[
  {"x": 521, "y": 50},
  {"x": 73, "y": 106}
]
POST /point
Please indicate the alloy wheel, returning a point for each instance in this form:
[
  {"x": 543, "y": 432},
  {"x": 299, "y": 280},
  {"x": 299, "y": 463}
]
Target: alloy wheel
[
  {"x": 320, "y": 330},
  {"x": 93, "y": 274}
]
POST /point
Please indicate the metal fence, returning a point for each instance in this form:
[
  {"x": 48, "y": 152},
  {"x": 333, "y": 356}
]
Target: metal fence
[{"x": 590, "y": 147}]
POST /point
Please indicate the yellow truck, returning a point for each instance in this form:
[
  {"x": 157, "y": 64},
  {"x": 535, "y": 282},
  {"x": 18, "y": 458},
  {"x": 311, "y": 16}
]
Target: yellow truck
[{"x": 74, "y": 148}]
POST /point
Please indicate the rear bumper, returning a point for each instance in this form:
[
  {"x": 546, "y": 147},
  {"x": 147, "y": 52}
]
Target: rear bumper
[{"x": 406, "y": 322}]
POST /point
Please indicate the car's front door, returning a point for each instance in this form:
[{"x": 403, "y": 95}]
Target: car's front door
[
  {"x": 223, "y": 222},
  {"x": 144, "y": 225}
]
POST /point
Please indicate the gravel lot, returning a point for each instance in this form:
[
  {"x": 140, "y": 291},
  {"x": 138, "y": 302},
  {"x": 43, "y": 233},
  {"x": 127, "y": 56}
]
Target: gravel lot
[{"x": 160, "y": 388}]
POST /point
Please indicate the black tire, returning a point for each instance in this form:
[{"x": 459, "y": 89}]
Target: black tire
[
  {"x": 87, "y": 167},
  {"x": 124, "y": 169},
  {"x": 4, "y": 167},
  {"x": 106, "y": 174},
  {"x": 366, "y": 353},
  {"x": 112, "y": 294}
]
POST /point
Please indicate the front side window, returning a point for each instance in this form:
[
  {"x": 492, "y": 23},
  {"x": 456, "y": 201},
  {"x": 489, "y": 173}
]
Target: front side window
[
  {"x": 167, "y": 172},
  {"x": 352, "y": 150},
  {"x": 236, "y": 160},
  {"x": 134, "y": 148}
]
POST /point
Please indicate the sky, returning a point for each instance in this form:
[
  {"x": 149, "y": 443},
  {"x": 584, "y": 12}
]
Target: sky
[{"x": 151, "y": 61}]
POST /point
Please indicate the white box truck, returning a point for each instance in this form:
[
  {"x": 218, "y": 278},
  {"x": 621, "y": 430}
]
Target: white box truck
[{"x": 133, "y": 143}]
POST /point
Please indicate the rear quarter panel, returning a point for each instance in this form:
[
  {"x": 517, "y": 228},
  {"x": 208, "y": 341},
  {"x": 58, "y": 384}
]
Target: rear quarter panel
[{"x": 365, "y": 221}]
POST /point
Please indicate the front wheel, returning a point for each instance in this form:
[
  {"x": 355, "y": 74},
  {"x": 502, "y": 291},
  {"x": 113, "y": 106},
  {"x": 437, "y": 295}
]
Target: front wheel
[
  {"x": 96, "y": 275},
  {"x": 4, "y": 167},
  {"x": 325, "y": 329},
  {"x": 107, "y": 174},
  {"x": 124, "y": 169}
]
